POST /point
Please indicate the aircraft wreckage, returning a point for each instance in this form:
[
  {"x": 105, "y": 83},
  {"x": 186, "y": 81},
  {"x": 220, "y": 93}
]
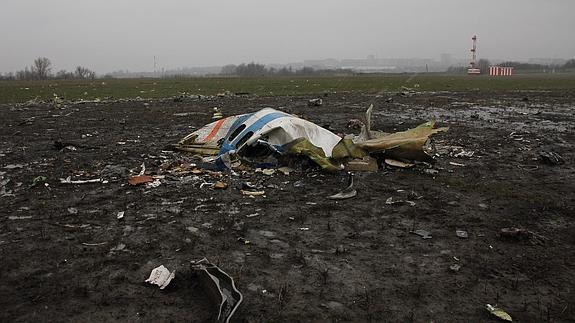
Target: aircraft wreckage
[{"x": 276, "y": 132}]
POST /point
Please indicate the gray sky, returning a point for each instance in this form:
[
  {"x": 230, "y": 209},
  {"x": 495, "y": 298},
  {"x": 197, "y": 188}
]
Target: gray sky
[{"x": 110, "y": 35}]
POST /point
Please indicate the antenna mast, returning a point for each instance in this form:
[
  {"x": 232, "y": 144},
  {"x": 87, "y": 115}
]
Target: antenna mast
[
  {"x": 473, "y": 64},
  {"x": 155, "y": 66}
]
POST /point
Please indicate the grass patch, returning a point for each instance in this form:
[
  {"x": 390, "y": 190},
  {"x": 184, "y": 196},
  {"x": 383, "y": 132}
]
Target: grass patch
[{"x": 21, "y": 91}]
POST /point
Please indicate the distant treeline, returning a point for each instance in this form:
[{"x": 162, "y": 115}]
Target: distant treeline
[
  {"x": 483, "y": 64},
  {"x": 527, "y": 66},
  {"x": 255, "y": 69},
  {"x": 42, "y": 70}
]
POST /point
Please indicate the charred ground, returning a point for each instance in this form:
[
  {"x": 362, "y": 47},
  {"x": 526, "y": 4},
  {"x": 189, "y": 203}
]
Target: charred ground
[{"x": 66, "y": 256}]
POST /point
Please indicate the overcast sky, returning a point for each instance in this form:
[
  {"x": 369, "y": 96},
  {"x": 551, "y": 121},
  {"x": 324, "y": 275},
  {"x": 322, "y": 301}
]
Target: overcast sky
[{"x": 109, "y": 35}]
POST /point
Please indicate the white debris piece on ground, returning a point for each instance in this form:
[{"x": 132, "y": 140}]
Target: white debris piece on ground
[
  {"x": 23, "y": 217},
  {"x": 143, "y": 170},
  {"x": 161, "y": 276},
  {"x": 68, "y": 180},
  {"x": 154, "y": 184}
]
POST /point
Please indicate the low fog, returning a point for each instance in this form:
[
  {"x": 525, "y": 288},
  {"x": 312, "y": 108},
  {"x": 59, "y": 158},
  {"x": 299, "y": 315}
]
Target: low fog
[{"x": 126, "y": 35}]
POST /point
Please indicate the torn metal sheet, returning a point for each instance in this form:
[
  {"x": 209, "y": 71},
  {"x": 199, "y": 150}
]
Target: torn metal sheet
[
  {"x": 397, "y": 163},
  {"x": 140, "y": 179},
  {"x": 220, "y": 287},
  {"x": 206, "y": 140},
  {"x": 315, "y": 102},
  {"x": 347, "y": 193},
  {"x": 279, "y": 129},
  {"x": 253, "y": 193},
  {"x": 551, "y": 158},
  {"x": 161, "y": 276},
  {"x": 282, "y": 133},
  {"x": 424, "y": 234},
  {"x": 68, "y": 180},
  {"x": 407, "y": 144},
  {"x": 498, "y": 312},
  {"x": 365, "y": 164},
  {"x": 462, "y": 234},
  {"x": 269, "y": 127}
]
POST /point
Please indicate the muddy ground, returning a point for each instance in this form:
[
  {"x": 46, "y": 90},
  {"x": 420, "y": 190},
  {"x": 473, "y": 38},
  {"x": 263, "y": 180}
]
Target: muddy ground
[{"x": 66, "y": 256}]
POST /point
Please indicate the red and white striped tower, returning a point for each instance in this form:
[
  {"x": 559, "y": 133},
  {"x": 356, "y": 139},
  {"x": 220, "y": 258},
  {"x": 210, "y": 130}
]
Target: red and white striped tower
[{"x": 473, "y": 64}]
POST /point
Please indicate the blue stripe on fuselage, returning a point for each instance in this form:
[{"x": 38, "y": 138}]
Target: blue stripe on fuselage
[{"x": 257, "y": 125}]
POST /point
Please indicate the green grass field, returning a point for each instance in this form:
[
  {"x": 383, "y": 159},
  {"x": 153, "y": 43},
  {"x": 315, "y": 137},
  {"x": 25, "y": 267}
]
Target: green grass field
[{"x": 21, "y": 91}]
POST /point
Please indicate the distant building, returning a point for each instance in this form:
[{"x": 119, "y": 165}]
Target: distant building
[
  {"x": 446, "y": 59},
  {"x": 547, "y": 61}
]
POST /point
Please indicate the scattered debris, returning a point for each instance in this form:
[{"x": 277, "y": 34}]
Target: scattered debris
[
  {"x": 38, "y": 180},
  {"x": 154, "y": 184},
  {"x": 143, "y": 170},
  {"x": 424, "y": 234},
  {"x": 464, "y": 153},
  {"x": 455, "y": 267},
  {"x": 266, "y": 171},
  {"x": 244, "y": 240},
  {"x": 14, "y": 166},
  {"x": 348, "y": 192},
  {"x": 119, "y": 247},
  {"x": 431, "y": 171},
  {"x": 140, "y": 179},
  {"x": 217, "y": 114},
  {"x": 315, "y": 102},
  {"x": 21, "y": 217},
  {"x": 272, "y": 132},
  {"x": 220, "y": 287},
  {"x": 59, "y": 145},
  {"x": 68, "y": 180},
  {"x": 391, "y": 201},
  {"x": 462, "y": 234},
  {"x": 247, "y": 186},
  {"x": 285, "y": 170},
  {"x": 501, "y": 314},
  {"x": 397, "y": 163},
  {"x": 519, "y": 234},
  {"x": 161, "y": 276},
  {"x": 299, "y": 183},
  {"x": 551, "y": 158},
  {"x": 95, "y": 244},
  {"x": 219, "y": 185},
  {"x": 354, "y": 124},
  {"x": 528, "y": 167},
  {"x": 253, "y": 193},
  {"x": 206, "y": 184},
  {"x": 4, "y": 192},
  {"x": 365, "y": 164}
]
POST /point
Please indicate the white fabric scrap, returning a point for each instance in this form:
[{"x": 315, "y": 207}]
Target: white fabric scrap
[{"x": 161, "y": 276}]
